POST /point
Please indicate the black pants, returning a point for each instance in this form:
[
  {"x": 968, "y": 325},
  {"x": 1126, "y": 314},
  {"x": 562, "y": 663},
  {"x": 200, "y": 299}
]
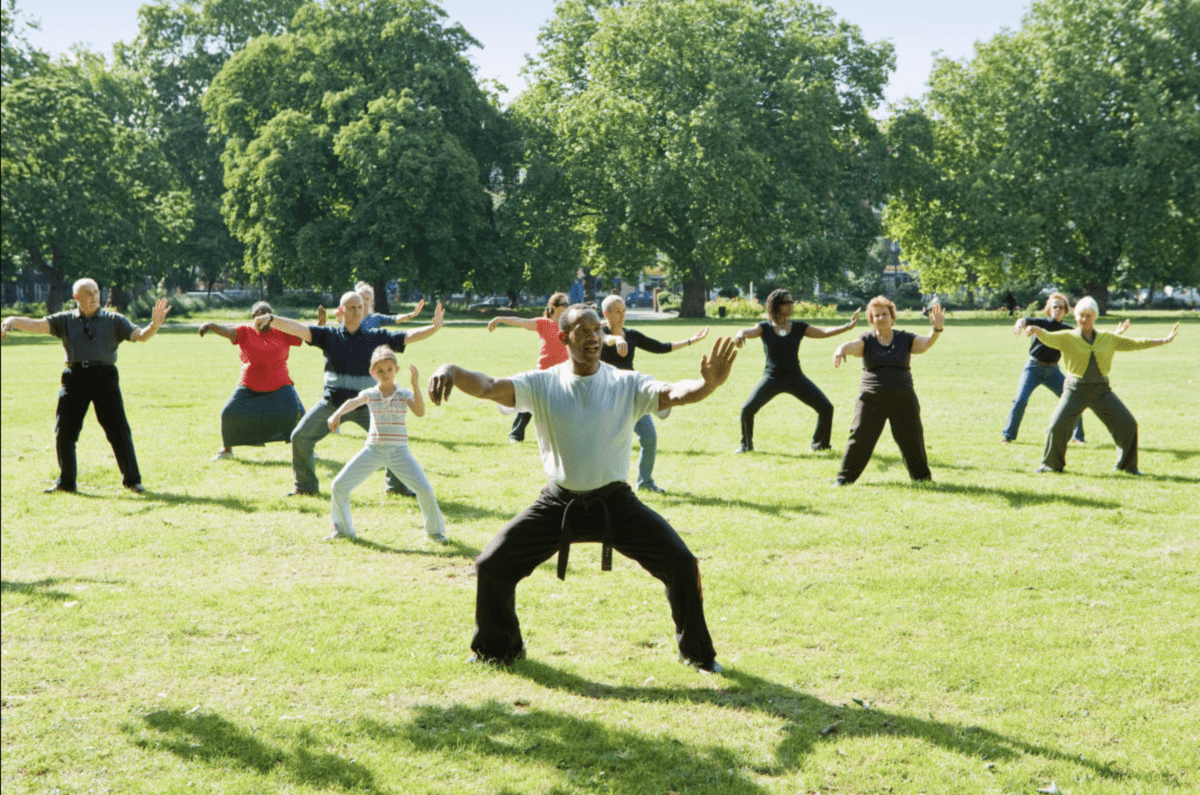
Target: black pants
[
  {"x": 899, "y": 406},
  {"x": 520, "y": 423},
  {"x": 1108, "y": 407},
  {"x": 533, "y": 536},
  {"x": 97, "y": 385},
  {"x": 799, "y": 387}
]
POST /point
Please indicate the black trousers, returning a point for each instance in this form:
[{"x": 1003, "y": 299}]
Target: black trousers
[
  {"x": 534, "y": 535},
  {"x": 520, "y": 423},
  {"x": 97, "y": 385},
  {"x": 799, "y": 387},
  {"x": 899, "y": 406}
]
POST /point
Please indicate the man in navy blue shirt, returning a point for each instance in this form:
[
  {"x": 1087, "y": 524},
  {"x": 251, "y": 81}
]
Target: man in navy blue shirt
[{"x": 348, "y": 351}]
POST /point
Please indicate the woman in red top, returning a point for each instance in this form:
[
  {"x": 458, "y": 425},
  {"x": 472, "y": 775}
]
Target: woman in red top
[
  {"x": 264, "y": 407},
  {"x": 553, "y": 350}
]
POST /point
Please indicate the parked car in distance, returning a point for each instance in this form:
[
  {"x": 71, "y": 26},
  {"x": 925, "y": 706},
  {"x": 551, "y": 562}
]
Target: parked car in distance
[
  {"x": 639, "y": 299},
  {"x": 492, "y": 302}
]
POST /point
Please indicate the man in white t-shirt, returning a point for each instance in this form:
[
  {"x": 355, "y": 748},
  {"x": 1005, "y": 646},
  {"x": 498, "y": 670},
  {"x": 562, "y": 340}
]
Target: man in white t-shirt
[{"x": 584, "y": 412}]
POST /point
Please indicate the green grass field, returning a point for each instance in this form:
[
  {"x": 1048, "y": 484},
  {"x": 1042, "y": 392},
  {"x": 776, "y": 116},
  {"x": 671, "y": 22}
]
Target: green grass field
[{"x": 994, "y": 631}]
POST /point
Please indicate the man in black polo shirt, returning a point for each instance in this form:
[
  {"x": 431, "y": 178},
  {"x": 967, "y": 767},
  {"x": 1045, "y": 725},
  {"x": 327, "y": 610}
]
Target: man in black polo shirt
[
  {"x": 348, "y": 350},
  {"x": 90, "y": 336}
]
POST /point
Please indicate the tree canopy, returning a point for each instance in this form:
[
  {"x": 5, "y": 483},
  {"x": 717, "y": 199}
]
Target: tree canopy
[
  {"x": 360, "y": 146},
  {"x": 731, "y": 137},
  {"x": 1067, "y": 151}
]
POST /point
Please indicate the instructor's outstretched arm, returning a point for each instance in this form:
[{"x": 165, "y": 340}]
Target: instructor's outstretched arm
[
  {"x": 714, "y": 370},
  {"x": 479, "y": 385}
]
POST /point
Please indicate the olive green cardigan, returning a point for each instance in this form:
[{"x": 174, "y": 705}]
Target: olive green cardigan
[{"x": 1076, "y": 351}]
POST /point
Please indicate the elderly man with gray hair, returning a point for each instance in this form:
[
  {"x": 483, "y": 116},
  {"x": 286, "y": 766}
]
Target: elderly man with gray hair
[
  {"x": 1087, "y": 355},
  {"x": 90, "y": 336}
]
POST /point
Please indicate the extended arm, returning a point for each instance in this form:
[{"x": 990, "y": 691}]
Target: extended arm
[
  {"x": 33, "y": 326},
  {"x": 851, "y": 348},
  {"x": 479, "y": 385},
  {"x": 417, "y": 404},
  {"x": 1137, "y": 344},
  {"x": 416, "y": 311},
  {"x": 714, "y": 370},
  {"x": 754, "y": 332},
  {"x": 416, "y": 335},
  {"x": 692, "y": 340},
  {"x": 817, "y": 332},
  {"x": 937, "y": 319},
  {"x": 529, "y": 324},
  {"x": 161, "y": 308},
  {"x": 284, "y": 324},
  {"x": 221, "y": 331},
  {"x": 346, "y": 408}
]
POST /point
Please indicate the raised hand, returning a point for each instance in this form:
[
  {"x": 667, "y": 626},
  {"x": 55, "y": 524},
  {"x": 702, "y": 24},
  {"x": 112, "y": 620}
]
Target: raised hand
[
  {"x": 322, "y": 315},
  {"x": 937, "y": 316},
  {"x": 161, "y": 308},
  {"x": 439, "y": 315},
  {"x": 854, "y": 318},
  {"x": 716, "y": 366},
  {"x": 416, "y": 384}
]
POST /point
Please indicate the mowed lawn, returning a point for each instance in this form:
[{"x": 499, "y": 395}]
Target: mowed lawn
[{"x": 994, "y": 631}]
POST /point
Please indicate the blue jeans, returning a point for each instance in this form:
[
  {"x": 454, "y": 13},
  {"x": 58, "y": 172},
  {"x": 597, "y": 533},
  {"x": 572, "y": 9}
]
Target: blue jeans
[
  {"x": 648, "y": 441},
  {"x": 1033, "y": 375}
]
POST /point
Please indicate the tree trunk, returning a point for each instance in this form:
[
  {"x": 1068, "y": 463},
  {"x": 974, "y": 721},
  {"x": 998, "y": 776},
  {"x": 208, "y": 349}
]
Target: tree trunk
[
  {"x": 381, "y": 297},
  {"x": 1099, "y": 291},
  {"x": 118, "y": 298},
  {"x": 589, "y": 286},
  {"x": 274, "y": 286},
  {"x": 695, "y": 291},
  {"x": 58, "y": 283}
]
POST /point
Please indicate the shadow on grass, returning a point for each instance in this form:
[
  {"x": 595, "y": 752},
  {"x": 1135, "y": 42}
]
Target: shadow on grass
[
  {"x": 217, "y": 741},
  {"x": 168, "y": 498},
  {"x": 40, "y": 589},
  {"x": 451, "y": 548},
  {"x": 1015, "y": 497},
  {"x": 807, "y": 720},
  {"x": 465, "y": 512},
  {"x": 679, "y": 497}
]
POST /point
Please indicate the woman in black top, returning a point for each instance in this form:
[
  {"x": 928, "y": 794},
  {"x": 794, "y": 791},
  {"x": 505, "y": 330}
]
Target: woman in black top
[
  {"x": 886, "y": 393},
  {"x": 781, "y": 343},
  {"x": 619, "y": 346}
]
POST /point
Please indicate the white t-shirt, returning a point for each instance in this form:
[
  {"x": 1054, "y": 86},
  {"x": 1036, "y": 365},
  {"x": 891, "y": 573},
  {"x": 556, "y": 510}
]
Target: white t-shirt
[
  {"x": 585, "y": 422},
  {"x": 388, "y": 414}
]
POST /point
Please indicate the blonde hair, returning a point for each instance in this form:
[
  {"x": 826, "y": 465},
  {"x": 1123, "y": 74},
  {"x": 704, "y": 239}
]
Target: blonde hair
[
  {"x": 882, "y": 300},
  {"x": 1050, "y": 299},
  {"x": 383, "y": 353}
]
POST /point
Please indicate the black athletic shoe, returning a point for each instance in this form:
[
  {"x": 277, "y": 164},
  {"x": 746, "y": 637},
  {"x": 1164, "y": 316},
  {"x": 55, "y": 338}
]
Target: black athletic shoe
[{"x": 708, "y": 668}]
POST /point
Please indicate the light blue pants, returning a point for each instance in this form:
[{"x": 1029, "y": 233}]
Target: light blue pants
[
  {"x": 400, "y": 462},
  {"x": 1034, "y": 375},
  {"x": 648, "y": 441},
  {"x": 312, "y": 428}
]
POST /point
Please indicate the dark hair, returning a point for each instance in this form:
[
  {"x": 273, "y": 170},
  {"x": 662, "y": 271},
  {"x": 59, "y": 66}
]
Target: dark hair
[
  {"x": 573, "y": 311},
  {"x": 558, "y": 299},
  {"x": 261, "y": 308},
  {"x": 777, "y": 297}
]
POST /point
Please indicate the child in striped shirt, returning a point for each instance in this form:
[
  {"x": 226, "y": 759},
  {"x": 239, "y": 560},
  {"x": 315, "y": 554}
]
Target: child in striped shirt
[{"x": 387, "y": 446}]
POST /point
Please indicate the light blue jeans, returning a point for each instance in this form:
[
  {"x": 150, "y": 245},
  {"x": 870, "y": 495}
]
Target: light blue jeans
[
  {"x": 312, "y": 428},
  {"x": 648, "y": 441},
  {"x": 398, "y": 461},
  {"x": 1034, "y": 375}
]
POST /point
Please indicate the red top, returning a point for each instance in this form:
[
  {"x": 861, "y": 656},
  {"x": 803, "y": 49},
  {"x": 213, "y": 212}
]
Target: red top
[
  {"x": 553, "y": 351},
  {"x": 264, "y": 358}
]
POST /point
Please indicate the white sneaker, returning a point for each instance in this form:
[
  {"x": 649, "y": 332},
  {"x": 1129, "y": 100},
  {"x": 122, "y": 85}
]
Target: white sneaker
[
  {"x": 222, "y": 455},
  {"x": 338, "y": 533}
]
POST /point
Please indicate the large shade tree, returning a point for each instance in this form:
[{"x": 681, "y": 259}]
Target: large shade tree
[
  {"x": 731, "y": 137},
  {"x": 360, "y": 146},
  {"x": 1067, "y": 151},
  {"x": 86, "y": 189}
]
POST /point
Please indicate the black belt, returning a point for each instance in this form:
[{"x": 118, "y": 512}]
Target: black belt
[
  {"x": 586, "y": 499},
  {"x": 90, "y": 364}
]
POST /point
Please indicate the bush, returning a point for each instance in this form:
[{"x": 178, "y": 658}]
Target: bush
[
  {"x": 25, "y": 309},
  {"x": 743, "y": 308},
  {"x": 141, "y": 306}
]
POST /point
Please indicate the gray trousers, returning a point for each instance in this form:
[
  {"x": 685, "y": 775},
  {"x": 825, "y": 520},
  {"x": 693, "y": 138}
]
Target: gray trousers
[
  {"x": 1078, "y": 397},
  {"x": 314, "y": 427}
]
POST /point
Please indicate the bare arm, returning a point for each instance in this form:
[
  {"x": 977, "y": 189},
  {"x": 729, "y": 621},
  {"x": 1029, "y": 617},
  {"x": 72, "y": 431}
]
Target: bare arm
[
  {"x": 161, "y": 308},
  {"x": 345, "y": 408},
  {"x": 38, "y": 326},
  {"x": 851, "y": 348},
  {"x": 417, "y": 403},
  {"x": 416, "y": 335},
  {"x": 221, "y": 331},
  {"x": 416, "y": 311},
  {"x": 692, "y": 340},
  {"x": 479, "y": 385},
  {"x": 754, "y": 332},
  {"x": 819, "y": 333},
  {"x": 284, "y": 324},
  {"x": 714, "y": 370},
  {"x": 529, "y": 324},
  {"x": 937, "y": 319}
]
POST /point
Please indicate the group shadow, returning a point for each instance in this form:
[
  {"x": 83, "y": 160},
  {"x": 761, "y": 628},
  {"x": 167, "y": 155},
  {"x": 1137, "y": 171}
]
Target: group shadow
[{"x": 44, "y": 588}]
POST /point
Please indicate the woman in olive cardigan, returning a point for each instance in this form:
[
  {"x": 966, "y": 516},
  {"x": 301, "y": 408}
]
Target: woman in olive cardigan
[{"x": 1087, "y": 356}]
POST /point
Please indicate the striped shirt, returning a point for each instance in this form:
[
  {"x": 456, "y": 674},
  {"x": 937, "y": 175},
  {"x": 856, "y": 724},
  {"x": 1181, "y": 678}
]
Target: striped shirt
[{"x": 387, "y": 417}]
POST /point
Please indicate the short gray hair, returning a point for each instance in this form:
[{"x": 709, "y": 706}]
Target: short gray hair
[
  {"x": 80, "y": 282},
  {"x": 609, "y": 301},
  {"x": 1087, "y": 306}
]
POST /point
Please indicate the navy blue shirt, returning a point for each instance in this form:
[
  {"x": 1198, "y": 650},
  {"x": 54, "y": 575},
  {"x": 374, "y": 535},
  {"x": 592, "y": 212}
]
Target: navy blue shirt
[
  {"x": 633, "y": 339},
  {"x": 348, "y": 356},
  {"x": 783, "y": 352}
]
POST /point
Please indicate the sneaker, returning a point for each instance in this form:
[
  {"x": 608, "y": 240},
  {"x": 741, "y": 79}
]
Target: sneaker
[
  {"x": 1043, "y": 469},
  {"x": 500, "y": 662},
  {"x": 399, "y": 493},
  {"x": 817, "y": 448},
  {"x": 1005, "y": 440},
  {"x": 336, "y": 534},
  {"x": 137, "y": 488},
  {"x": 1135, "y": 472},
  {"x": 54, "y": 489},
  {"x": 440, "y": 538},
  {"x": 222, "y": 454},
  {"x": 709, "y": 668},
  {"x": 651, "y": 487},
  {"x": 744, "y": 449},
  {"x": 302, "y": 493},
  {"x": 841, "y": 482},
  {"x": 1078, "y": 441}
]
